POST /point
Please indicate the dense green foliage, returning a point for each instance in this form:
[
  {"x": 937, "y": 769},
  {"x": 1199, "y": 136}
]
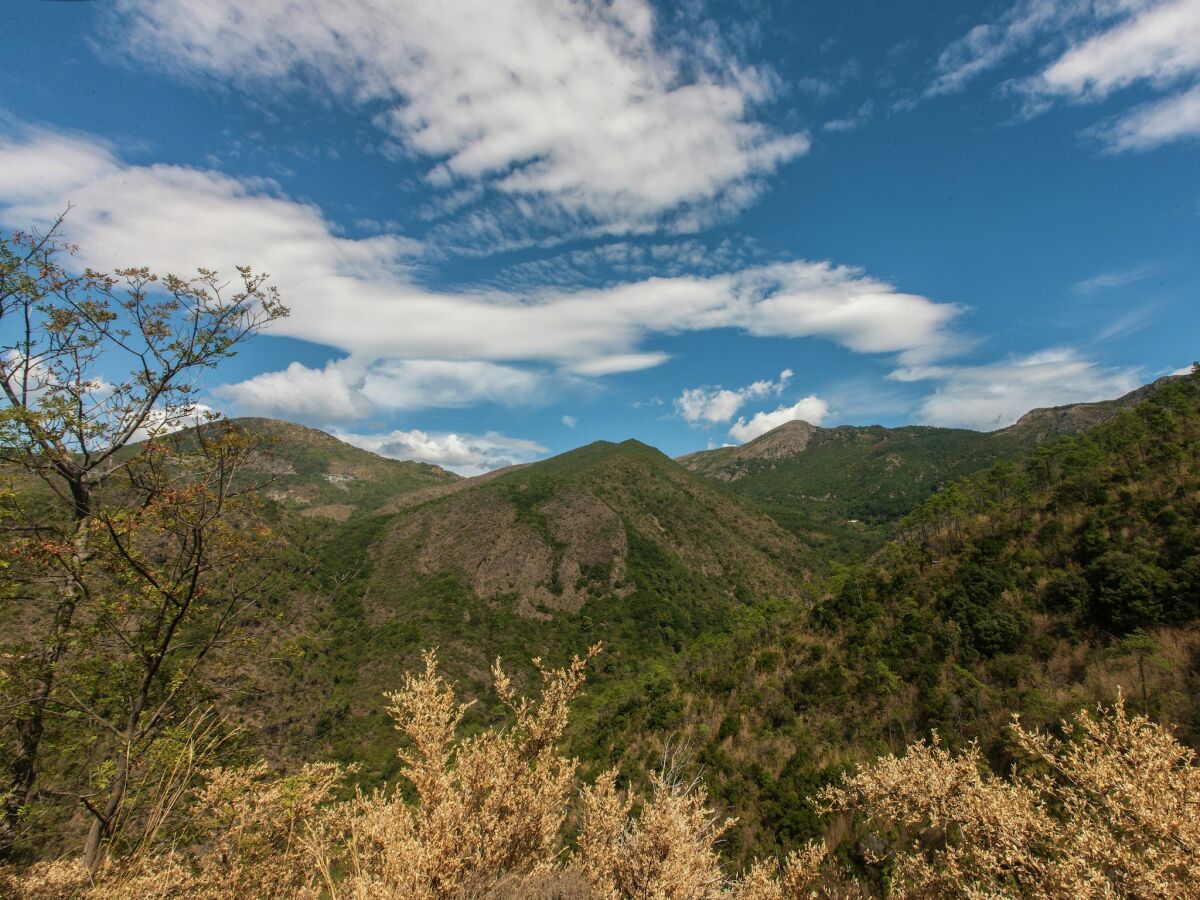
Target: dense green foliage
[
  {"x": 841, "y": 494},
  {"x": 377, "y": 613},
  {"x": 1035, "y": 587},
  {"x": 1017, "y": 588}
]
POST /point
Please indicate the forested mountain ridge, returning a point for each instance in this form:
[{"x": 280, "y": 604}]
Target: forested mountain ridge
[
  {"x": 1035, "y": 587},
  {"x": 842, "y": 489},
  {"x": 610, "y": 542},
  {"x": 1001, "y": 592},
  {"x": 1038, "y": 584},
  {"x": 316, "y": 474}
]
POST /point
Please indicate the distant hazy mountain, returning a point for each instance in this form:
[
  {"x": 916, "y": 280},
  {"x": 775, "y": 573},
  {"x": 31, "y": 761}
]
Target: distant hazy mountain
[{"x": 320, "y": 476}]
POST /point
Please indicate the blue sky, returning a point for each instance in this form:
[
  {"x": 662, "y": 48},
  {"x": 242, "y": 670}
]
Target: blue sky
[{"x": 507, "y": 229}]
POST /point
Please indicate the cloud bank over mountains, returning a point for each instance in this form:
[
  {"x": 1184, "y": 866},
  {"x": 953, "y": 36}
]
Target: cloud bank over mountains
[
  {"x": 466, "y": 454},
  {"x": 408, "y": 346},
  {"x": 988, "y": 397}
]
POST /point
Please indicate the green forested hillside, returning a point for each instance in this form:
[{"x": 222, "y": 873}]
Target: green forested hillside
[
  {"x": 611, "y": 542},
  {"x": 1039, "y": 584},
  {"x": 1022, "y": 587},
  {"x": 841, "y": 490},
  {"x": 1037, "y": 587},
  {"x": 840, "y": 494}
]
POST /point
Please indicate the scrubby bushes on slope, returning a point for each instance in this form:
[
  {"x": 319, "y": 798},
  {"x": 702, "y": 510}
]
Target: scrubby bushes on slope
[{"x": 1108, "y": 809}]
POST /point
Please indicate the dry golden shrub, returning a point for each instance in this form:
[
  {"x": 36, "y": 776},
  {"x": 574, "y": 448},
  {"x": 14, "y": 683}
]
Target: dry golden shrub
[
  {"x": 246, "y": 842},
  {"x": 806, "y": 873},
  {"x": 1115, "y": 811},
  {"x": 669, "y": 851},
  {"x": 489, "y": 807},
  {"x": 55, "y": 880},
  {"x": 1130, "y": 795},
  {"x": 1111, "y": 809}
]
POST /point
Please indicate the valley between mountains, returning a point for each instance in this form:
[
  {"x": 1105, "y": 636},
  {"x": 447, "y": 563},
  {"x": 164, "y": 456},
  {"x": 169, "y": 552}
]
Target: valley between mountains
[{"x": 780, "y": 610}]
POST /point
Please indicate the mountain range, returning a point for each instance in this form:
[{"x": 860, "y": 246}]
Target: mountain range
[
  {"x": 702, "y": 576},
  {"x": 774, "y": 613}
]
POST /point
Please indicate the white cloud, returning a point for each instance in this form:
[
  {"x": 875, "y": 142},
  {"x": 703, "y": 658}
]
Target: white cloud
[
  {"x": 616, "y": 363},
  {"x": 30, "y": 174},
  {"x": 1185, "y": 370},
  {"x": 987, "y": 45},
  {"x": 591, "y": 106},
  {"x": 995, "y": 395},
  {"x": 360, "y": 297},
  {"x": 1151, "y": 124},
  {"x": 854, "y": 121},
  {"x": 1155, "y": 42},
  {"x": 1132, "y": 320},
  {"x": 159, "y": 423},
  {"x": 1115, "y": 279},
  {"x": 298, "y": 392},
  {"x": 466, "y": 454},
  {"x": 424, "y": 383},
  {"x": 1110, "y": 45},
  {"x": 570, "y": 421},
  {"x": 711, "y": 405},
  {"x": 347, "y": 389},
  {"x": 811, "y": 409}
]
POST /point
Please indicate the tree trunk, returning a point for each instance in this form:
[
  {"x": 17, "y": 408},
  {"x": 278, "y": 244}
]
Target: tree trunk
[
  {"x": 22, "y": 771},
  {"x": 102, "y": 821}
]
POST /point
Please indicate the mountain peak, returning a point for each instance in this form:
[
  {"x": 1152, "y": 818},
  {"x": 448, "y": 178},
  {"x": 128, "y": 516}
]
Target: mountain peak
[
  {"x": 726, "y": 463},
  {"x": 1048, "y": 422}
]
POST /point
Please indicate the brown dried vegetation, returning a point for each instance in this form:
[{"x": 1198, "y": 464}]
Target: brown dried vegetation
[{"x": 1107, "y": 809}]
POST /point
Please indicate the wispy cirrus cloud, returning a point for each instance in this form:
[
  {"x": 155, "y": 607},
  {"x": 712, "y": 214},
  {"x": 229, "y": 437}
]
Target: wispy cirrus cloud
[
  {"x": 1117, "y": 278},
  {"x": 854, "y": 121},
  {"x": 1097, "y": 48},
  {"x": 1156, "y": 42},
  {"x": 1150, "y": 124},
  {"x": 986, "y": 45},
  {"x": 589, "y": 109}
]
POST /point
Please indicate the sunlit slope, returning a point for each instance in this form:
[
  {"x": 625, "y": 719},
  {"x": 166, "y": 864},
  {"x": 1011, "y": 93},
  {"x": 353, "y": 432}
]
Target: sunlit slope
[
  {"x": 611, "y": 542},
  {"x": 842, "y": 489}
]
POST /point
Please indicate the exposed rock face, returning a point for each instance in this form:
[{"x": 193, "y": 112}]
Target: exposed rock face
[
  {"x": 726, "y": 464},
  {"x": 543, "y": 564}
]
